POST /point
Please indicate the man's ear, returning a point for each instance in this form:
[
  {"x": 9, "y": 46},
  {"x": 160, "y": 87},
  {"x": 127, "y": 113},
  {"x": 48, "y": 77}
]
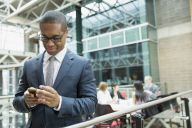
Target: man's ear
[{"x": 66, "y": 32}]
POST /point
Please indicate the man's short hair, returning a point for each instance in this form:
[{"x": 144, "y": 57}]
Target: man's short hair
[
  {"x": 149, "y": 77},
  {"x": 54, "y": 17}
]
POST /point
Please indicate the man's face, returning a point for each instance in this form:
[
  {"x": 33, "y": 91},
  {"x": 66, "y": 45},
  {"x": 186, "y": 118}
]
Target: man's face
[
  {"x": 53, "y": 31},
  {"x": 147, "y": 81}
]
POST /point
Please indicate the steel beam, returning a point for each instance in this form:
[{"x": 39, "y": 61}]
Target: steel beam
[
  {"x": 19, "y": 10},
  {"x": 106, "y": 16},
  {"x": 119, "y": 9},
  {"x": 58, "y": 9},
  {"x": 17, "y": 58}
]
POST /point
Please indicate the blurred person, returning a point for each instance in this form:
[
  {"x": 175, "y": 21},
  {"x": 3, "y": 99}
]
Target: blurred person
[
  {"x": 115, "y": 92},
  {"x": 139, "y": 96},
  {"x": 64, "y": 81},
  {"x": 150, "y": 88},
  {"x": 103, "y": 94}
]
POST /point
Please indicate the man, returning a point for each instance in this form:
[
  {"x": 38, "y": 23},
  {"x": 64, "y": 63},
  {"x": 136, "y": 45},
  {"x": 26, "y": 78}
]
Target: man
[
  {"x": 150, "y": 88},
  {"x": 65, "y": 81}
]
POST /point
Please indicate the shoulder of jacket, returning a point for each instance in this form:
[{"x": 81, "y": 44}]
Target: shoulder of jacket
[{"x": 154, "y": 85}]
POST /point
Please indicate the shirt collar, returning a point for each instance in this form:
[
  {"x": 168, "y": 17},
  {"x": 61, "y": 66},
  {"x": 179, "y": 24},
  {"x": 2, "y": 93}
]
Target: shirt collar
[{"x": 59, "y": 56}]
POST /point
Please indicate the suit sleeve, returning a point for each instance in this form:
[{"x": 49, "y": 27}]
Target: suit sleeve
[
  {"x": 154, "y": 93},
  {"x": 19, "y": 102},
  {"x": 86, "y": 102}
]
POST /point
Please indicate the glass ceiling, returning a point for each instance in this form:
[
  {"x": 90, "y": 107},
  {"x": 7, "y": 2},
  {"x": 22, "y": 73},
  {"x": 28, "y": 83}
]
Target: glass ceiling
[
  {"x": 102, "y": 16},
  {"x": 97, "y": 8}
]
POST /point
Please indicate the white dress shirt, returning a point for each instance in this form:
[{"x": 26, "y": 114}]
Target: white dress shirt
[{"x": 57, "y": 64}]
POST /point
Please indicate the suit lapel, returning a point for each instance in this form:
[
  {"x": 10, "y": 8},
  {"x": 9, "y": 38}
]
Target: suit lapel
[
  {"x": 39, "y": 69},
  {"x": 65, "y": 66}
]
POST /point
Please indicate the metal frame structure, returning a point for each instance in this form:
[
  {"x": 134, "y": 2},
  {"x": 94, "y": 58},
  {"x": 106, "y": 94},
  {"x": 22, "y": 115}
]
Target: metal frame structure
[
  {"x": 58, "y": 8},
  {"x": 6, "y": 103},
  {"x": 10, "y": 8},
  {"x": 124, "y": 18},
  {"x": 11, "y": 59}
]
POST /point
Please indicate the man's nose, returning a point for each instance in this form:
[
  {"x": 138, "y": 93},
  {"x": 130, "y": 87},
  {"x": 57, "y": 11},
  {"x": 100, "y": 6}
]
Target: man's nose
[{"x": 50, "y": 43}]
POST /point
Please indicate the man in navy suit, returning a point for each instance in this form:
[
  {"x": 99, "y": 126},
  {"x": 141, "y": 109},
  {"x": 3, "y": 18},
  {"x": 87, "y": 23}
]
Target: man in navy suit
[{"x": 65, "y": 81}]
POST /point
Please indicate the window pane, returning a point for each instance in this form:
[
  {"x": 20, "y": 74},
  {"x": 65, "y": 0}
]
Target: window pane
[
  {"x": 144, "y": 32},
  {"x": 107, "y": 76},
  {"x": 92, "y": 44},
  {"x": 132, "y": 35},
  {"x": 136, "y": 73},
  {"x": 152, "y": 33},
  {"x": 121, "y": 76},
  {"x": 153, "y": 51},
  {"x": 146, "y": 65},
  {"x": 150, "y": 12},
  {"x": 84, "y": 46},
  {"x": 104, "y": 42},
  {"x": 117, "y": 38},
  {"x": 97, "y": 77}
]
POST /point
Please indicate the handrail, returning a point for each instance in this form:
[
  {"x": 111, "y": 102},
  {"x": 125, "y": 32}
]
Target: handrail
[
  {"x": 10, "y": 96},
  {"x": 125, "y": 111}
]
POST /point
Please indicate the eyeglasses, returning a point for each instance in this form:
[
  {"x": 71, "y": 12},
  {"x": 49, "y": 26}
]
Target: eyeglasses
[{"x": 55, "y": 40}]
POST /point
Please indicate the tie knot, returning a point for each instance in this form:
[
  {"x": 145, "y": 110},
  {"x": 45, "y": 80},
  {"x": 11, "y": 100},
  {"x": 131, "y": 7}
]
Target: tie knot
[{"x": 52, "y": 58}]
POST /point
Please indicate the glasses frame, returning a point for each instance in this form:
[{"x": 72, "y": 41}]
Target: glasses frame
[{"x": 52, "y": 38}]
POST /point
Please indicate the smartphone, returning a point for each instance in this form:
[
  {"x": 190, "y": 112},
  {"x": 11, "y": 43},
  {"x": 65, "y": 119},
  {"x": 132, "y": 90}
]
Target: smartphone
[{"x": 32, "y": 90}]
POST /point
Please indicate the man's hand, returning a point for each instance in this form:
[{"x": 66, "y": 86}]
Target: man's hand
[
  {"x": 30, "y": 99},
  {"x": 48, "y": 96},
  {"x": 147, "y": 91}
]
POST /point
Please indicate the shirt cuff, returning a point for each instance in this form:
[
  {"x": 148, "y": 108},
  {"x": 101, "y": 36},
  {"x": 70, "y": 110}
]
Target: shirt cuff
[
  {"x": 59, "y": 107},
  {"x": 31, "y": 106}
]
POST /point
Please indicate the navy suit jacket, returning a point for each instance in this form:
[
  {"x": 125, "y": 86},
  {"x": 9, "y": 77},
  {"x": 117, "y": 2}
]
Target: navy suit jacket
[{"x": 75, "y": 83}]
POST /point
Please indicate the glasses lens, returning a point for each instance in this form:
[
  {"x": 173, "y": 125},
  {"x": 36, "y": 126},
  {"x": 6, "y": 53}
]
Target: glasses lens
[
  {"x": 43, "y": 39},
  {"x": 55, "y": 40}
]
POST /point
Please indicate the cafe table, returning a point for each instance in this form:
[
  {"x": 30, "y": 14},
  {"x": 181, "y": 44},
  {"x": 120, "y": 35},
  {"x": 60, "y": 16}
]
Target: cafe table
[{"x": 122, "y": 104}]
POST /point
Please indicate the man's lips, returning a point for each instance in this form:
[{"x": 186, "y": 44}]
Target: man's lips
[{"x": 50, "y": 49}]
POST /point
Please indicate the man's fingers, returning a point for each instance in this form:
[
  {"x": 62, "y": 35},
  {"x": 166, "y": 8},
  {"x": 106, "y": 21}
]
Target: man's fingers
[
  {"x": 31, "y": 99},
  {"x": 34, "y": 102},
  {"x": 43, "y": 101},
  {"x": 46, "y": 98},
  {"x": 28, "y": 94},
  {"x": 43, "y": 93},
  {"x": 47, "y": 88}
]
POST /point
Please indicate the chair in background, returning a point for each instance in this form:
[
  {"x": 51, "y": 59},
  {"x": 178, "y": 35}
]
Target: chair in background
[
  {"x": 168, "y": 113},
  {"x": 103, "y": 109},
  {"x": 176, "y": 109},
  {"x": 159, "y": 93},
  {"x": 123, "y": 94}
]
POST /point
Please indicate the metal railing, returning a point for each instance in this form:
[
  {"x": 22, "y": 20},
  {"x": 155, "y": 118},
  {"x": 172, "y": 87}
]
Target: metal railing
[{"x": 125, "y": 111}]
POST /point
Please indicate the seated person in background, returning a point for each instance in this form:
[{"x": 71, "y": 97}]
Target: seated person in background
[
  {"x": 103, "y": 95},
  {"x": 115, "y": 93},
  {"x": 150, "y": 88},
  {"x": 139, "y": 96}
]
